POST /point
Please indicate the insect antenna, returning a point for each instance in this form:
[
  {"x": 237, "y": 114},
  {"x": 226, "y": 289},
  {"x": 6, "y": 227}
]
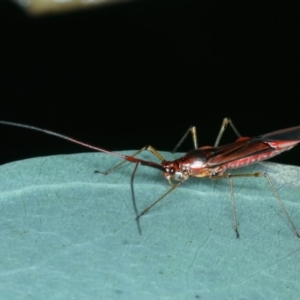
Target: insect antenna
[{"x": 132, "y": 159}]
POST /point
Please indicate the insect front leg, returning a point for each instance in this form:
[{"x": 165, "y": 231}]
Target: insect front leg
[
  {"x": 149, "y": 148},
  {"x": 160, "y": 157},
  {"x": 173, "y": 187}
]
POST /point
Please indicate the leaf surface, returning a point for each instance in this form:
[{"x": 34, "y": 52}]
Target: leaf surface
[{"x": 67, "y": 232}]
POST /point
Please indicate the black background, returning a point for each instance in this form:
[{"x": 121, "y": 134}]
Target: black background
[{"x": 127, "y": 75}]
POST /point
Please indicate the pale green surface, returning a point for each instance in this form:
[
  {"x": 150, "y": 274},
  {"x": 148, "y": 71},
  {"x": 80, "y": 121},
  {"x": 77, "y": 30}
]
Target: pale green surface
[{"x": 68, "y": 233}]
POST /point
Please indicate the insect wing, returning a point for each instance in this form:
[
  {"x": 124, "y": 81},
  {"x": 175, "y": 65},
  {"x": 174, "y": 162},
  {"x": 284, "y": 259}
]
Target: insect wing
[
  {"x": 235, "y": 151},
  {"x": 246, "y": 147},
  {"x": 288, "y": 134}
]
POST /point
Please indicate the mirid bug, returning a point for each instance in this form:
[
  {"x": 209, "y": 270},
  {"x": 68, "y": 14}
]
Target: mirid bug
[{"x": 206, "y": 161}]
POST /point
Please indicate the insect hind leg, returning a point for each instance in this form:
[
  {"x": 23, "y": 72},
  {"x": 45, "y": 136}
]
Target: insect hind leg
[
  {"x": 256, "y": 174},
  {"x": 281, "y": 204}
]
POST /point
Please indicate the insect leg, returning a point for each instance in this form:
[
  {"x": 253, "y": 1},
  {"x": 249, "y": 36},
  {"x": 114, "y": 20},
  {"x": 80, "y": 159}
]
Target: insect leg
[
  {"x": 160, "y": 157},
  {"x": 149, "y": 207},
  {"x": 149, "y": 148},
  {"x": 256, "y": 174},
  {"x": 281, "y": 203},
  {"x": 193, "y": 132},
  {"x": 229, "y": 176},
  {"x": 235, "y": 223},
  {"x": 133, "y": 199},
  {"x": 159, "y": 199},
  {"x": 225, "y": 122}
]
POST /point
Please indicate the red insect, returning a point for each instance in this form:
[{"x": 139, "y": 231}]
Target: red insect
[{"x": 207, "y": 161}]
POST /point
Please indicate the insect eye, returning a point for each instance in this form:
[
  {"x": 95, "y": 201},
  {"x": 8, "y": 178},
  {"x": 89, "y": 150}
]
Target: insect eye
[{"x": 172, "y": 170}]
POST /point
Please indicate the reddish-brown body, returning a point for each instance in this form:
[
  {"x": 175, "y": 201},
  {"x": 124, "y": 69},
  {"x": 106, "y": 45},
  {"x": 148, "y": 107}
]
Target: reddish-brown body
[{"x": 210, "y": 161}]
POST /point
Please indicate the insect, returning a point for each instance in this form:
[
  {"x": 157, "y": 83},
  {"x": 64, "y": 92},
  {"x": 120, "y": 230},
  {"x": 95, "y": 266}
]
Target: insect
[{"x": 206, "y": 161}]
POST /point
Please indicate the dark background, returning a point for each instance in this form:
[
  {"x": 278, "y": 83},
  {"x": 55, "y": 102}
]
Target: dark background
[{"x": 141, "y": 73}]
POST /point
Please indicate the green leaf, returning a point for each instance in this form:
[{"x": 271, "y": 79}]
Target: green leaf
[{"x": 67, "y": 232}]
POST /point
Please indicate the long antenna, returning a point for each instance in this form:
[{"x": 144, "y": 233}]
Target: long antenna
[{"x": 65, "y": 137}]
